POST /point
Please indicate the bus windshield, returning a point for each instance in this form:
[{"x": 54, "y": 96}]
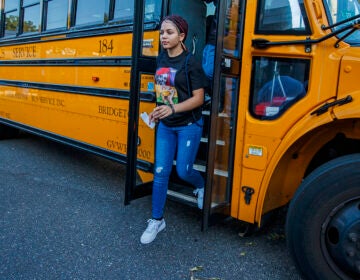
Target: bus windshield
[
  {"x": 340, "y": 10},
  {"x": 287, "y": 17}
]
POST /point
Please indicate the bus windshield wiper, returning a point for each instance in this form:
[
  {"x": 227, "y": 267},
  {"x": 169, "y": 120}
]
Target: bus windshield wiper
[{"x": 355, "y": 25}]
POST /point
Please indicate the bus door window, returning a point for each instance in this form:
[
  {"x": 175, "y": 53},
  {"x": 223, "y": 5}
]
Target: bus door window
[
  {"x": 31, "y": 18},
  {"x": 11, "y": 17},
  {"x": 56, "y": 14},
  {"x": 208, "y": 55},
  {"x": 225, "y": 129},
  {"x": 232, "y": 39},
  {"x": 231, "y": 43}
]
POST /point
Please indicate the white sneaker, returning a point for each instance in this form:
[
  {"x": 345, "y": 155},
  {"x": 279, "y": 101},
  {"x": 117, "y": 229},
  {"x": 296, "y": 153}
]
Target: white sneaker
[
  {"x": 200, "y": 197},
  {"x": 153, "y": 228}
]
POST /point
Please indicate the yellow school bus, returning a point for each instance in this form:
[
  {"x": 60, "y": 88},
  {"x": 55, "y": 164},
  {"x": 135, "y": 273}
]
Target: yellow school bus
[{"x": 281, "y": 131}]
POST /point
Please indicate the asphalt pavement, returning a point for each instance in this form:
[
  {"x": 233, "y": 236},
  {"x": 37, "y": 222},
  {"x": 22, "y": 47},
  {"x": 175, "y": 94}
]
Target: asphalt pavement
[{"x": 62, "y": 216}]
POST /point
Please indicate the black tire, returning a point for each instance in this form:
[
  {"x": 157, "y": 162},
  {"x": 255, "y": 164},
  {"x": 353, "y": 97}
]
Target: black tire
[
  {"x": 7, "y": 132},
  {"x": 323, "y": 221}
]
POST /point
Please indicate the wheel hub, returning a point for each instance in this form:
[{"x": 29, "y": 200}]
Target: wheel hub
[{"x": 343, "y": 237}]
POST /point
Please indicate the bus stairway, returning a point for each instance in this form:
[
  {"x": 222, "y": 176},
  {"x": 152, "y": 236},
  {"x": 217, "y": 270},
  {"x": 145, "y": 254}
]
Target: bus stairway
[{"x": 181, "y": 191}]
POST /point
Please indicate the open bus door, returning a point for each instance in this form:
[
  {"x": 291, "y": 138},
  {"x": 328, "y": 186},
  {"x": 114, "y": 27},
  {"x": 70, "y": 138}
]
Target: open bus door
[
  {"x": 216, "y": 152},
  {"x": 223, "y": 114},
  {"x": 141, "y": 96}
]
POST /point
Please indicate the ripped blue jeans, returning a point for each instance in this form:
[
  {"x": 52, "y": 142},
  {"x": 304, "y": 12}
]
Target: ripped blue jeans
[{"x": 184, "y": 141}]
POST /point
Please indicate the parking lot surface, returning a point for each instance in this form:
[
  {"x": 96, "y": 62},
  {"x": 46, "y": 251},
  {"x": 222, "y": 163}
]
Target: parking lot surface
[{"x": 62, "y": 216}]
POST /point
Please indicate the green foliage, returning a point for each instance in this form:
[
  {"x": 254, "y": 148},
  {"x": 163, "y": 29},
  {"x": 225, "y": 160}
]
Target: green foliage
[
  {"x": 12, "y": 23},
  {"x": 29, "y": 26}
]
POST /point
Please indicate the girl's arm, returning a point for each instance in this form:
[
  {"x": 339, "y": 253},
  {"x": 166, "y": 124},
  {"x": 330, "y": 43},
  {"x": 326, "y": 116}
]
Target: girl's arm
[{"x": 193, "y": 102}]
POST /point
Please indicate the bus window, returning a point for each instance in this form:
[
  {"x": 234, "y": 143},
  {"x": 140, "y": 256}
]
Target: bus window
[
  {"x": 91, "y": 12},
  {"x": 57, "y": 11},
  {"x": 11, "y": 16},
  {"x": 32, "y": 17},
  {"x": 124, "y": 11},
  {"x": 152, "y": 10},
  {"x": 277, "y": 84},
  {"x": 282, "y": 17}
]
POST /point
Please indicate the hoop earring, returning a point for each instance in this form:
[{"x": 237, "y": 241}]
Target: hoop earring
[{"x": 183, "y": 46}]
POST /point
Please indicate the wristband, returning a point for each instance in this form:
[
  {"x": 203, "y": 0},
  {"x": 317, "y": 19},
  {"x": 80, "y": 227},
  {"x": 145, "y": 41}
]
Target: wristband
[{"x": 172, "y": 108}]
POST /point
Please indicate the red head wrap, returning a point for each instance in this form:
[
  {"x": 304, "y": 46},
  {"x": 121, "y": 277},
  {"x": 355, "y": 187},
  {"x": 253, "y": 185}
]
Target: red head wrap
[{"x": 179, "y": 22}]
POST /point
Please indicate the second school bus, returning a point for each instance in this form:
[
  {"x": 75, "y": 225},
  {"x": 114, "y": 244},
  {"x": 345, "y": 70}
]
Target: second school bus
[{"x": 282, "y": 128}]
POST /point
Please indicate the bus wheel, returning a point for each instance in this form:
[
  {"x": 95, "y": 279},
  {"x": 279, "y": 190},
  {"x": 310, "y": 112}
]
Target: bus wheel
[
  {"x": 323, "y": 221},
  {"x": 7, "y": 132}
]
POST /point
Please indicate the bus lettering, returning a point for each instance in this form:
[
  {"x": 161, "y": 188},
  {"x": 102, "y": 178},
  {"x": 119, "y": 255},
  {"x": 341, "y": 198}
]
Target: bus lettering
[
  {"x": 111, "y": 111},
  {"x": 25, "y": 52},
  {"x": 122, "y": 147},
  {"x": 4, "y": 114},
  {"x": 16, "y": 95},
  {"x": 111, "y": 144},
  {"x": 143, "y": 153},
  {"x": 48, "y": 100},
  {"x": 105, "y": 46}
]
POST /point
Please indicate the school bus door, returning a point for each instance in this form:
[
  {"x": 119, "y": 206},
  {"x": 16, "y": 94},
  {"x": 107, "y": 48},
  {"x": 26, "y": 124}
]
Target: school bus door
[
  {"x": 144, "y": 52},
  {"x": 224, "y": 104}
]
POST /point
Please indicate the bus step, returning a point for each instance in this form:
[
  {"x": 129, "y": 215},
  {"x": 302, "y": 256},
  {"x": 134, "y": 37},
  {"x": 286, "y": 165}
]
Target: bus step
[
  {"x": 188, "y": 199},
  {"x": 185, "y": 197},
  {"x": 221, "y": 114},
  {"x": 218, "y": 142},
  {"x": 201, "y": 167}
]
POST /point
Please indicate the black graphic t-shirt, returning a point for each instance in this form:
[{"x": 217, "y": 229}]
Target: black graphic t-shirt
[{"x": 171, "y": 85}]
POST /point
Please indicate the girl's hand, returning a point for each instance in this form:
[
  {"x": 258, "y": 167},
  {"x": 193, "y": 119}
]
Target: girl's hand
[
  {"x": 160, "y": 112},
  {"x": 152, "y": 117}
]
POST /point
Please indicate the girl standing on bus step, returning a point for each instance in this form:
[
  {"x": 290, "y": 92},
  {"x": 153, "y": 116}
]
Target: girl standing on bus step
[{"x": 178, "y": 114}]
